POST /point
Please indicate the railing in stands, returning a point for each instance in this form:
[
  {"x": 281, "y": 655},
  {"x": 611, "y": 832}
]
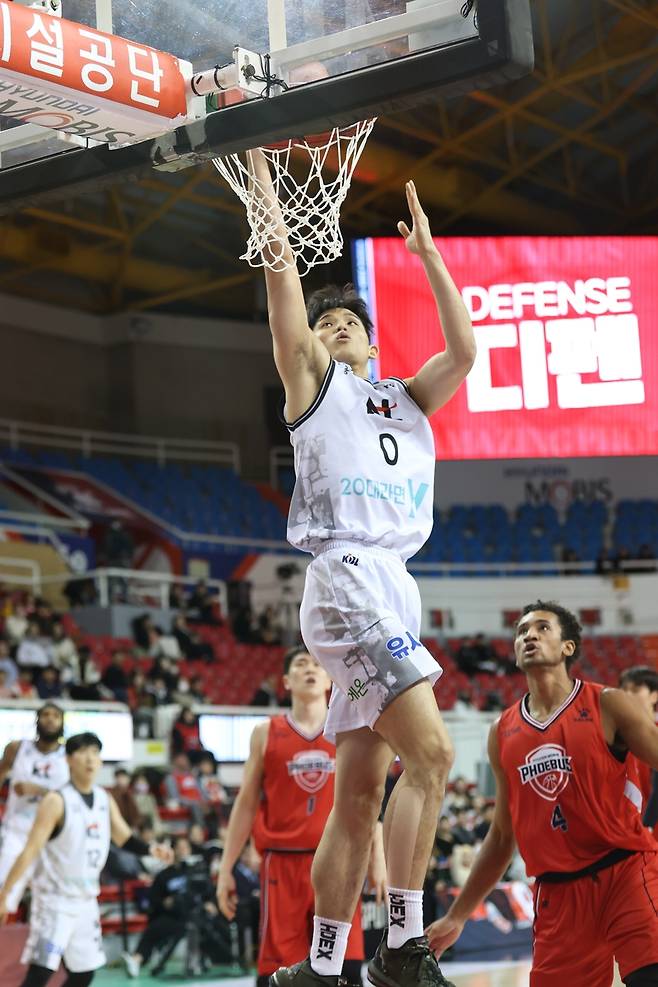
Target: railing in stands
[
  {"x": 133, "y": 586},
  {"x": 87, "y": 442}
]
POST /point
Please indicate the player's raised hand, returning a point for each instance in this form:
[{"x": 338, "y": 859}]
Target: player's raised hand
[
  {"x": 443, "y": 933},
  {"x": 227, "y": 895},
  {"x": 418, "y": 239}
]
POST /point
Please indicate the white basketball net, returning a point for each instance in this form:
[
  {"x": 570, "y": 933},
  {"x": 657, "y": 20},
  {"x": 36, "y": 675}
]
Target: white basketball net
[{"x": 309, "y": 199}]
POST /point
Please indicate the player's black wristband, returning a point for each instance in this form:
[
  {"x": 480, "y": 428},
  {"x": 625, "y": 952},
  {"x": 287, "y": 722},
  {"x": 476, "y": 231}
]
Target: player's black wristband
[{"x": 134, "y": 845}]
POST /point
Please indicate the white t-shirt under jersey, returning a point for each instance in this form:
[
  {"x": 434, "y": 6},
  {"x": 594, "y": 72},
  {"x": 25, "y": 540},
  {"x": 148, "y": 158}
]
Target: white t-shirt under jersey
[
  {"x": 364, "y": 466},
  {"x": 71, "y": 862},
  {"x": 30, "y": 764}
]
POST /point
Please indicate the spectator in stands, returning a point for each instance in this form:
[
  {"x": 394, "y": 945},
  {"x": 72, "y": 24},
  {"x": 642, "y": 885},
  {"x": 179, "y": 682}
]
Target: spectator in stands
[
  {"x": 48, "y": 683},
  {"x": 461, "y": 828},
  {"x": 197, "y": 692},
  {"x": 16, "y": 624},
  {"x": 267, "y": 627},
  {"x": 458, "y": 795},
  {"x": 6, "y": 690},
  {"x": 213, "y": 791},
  {"x": 445, "y": 839},
  {"x": 124, "y": 797},
  {"x": 63, "y": 654},
  {"x": 164, "y": 668},
  {"x": 492, "y": 702},
  {"x": 89, "y": 687},
  {"x": 190, "y": 641},
  {"x": 163, "y": 645},
  {"x": 24, "y": 687},
  {"x": 159, "y": 691},
  {"x": 32, "y": 652},
  {"x": 267, "y": 692},
  {"x": 145, "y": 801},
  {"x": 202, "y": 605},
  {"x": 45, "y": 617},
  {"x": 177, "y": 597},
  {"x": 185, "y": 738},
  {"x": 114, "y": 677},
  {"x": 486, "y": 818},
  {"x": 476, "y": 655},
  {"x": 171, "y": 900},
  {"x": 182, "y": 789},
  {"x": 141, "y": 627},
  {"x": 7, "y": 664}
]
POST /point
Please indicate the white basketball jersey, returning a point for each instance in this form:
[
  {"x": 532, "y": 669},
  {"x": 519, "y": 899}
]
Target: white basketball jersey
[
  {"x": 71, "y": 862},
  {"x": 47, "y": 770},
  {"x": 364, "y": 466}
]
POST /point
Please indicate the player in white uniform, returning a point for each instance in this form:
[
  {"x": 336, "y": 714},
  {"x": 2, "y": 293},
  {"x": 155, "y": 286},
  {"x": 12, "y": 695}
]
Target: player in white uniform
[
  {"x": 35, "y": 767},
  {"x": 362, "y": 505},
  {"x": 71, "y": 833}
]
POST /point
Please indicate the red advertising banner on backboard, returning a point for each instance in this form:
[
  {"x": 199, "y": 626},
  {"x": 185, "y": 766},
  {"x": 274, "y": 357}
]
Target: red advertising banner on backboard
[
  {"x": 567, "y": 335},
  {"x": 68, "y": 76}
]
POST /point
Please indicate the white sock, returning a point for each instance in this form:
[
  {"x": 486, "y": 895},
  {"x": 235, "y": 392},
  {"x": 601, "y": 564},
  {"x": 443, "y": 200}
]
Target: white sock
[
  {"x": 329, "y": 945},
  {"x": 405, "y": 916}
]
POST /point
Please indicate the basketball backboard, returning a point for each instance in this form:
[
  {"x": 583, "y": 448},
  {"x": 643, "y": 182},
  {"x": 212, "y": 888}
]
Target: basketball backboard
[{"x": 339, "y": 61}]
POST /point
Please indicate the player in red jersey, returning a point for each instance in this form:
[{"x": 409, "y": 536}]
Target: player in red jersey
[
  {"x": 286, "y": 796},
  {"x": 559, "y": 760},
  {"x": 641, "y": 683}
]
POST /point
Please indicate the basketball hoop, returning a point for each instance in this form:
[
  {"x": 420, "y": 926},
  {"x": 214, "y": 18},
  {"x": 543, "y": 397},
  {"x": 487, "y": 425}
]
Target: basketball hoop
[{"x": 310, "y": 199}]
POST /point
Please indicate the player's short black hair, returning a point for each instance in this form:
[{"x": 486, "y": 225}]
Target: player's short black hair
[
  {"x": 640, "y": 675},
  {"x": 569, "y": 624},
  {"x": 291, "y": 654},
  {"x": 50, "y": 705},
  {"x": 333, "y": 296},
  {"x": 81, "y": 740}
]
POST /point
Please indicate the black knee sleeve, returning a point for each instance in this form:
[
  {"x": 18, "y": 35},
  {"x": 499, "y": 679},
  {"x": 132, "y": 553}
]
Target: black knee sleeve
[
  {"x": 262, "y": 980},
  {"x": 37, "y": 976},
  {"x": 79, "y": 979},
  {"x": 646, "y": 976}
]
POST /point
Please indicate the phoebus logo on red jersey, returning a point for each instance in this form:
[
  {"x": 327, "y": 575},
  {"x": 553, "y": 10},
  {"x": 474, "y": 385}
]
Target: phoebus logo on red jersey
[
  {"x": 311, "y": 769},
  {"x": 547, "y": 770}
]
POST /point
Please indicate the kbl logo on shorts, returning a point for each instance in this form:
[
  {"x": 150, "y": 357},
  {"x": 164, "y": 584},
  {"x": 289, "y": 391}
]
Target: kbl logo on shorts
[{"x": 399, "y": 648}]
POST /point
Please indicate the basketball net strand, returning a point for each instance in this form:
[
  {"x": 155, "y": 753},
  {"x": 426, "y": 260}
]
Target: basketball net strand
[{"x": 309, "y": 206}]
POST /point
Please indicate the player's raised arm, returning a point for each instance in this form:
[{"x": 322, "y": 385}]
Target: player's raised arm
[
  {"x": 241, "y": 819},
  {"x": 438, "y": 379},
  {"x": 49, "y": 816},
  {"x": 8, "y": 758},
  {"x": 623, "y": 718},
  {"x": 297, "y": 353},
  {"x": 490, "y": 864}
]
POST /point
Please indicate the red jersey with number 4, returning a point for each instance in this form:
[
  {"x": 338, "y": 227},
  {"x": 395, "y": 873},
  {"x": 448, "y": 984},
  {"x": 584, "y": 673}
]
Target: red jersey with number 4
[
  {"x": 566, "y": 789},
  {"x": 298, "y": 788}
]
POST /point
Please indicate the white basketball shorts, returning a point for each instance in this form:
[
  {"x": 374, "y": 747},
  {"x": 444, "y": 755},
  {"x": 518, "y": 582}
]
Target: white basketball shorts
[
  {"x": 13, "y": 844},
  {"x": 64, "y": 928},
  {"x": 360, "y": 617}
]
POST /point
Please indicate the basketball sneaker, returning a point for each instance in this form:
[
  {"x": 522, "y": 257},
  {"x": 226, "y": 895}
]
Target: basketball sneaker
[
  {"x": 303, "y": 975},
  {"x": 412, "y": 965}
]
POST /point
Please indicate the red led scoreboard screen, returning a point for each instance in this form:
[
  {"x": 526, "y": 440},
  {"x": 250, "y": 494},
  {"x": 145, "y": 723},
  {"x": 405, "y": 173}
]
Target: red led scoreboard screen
[{"x": 567, "y": 336}]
